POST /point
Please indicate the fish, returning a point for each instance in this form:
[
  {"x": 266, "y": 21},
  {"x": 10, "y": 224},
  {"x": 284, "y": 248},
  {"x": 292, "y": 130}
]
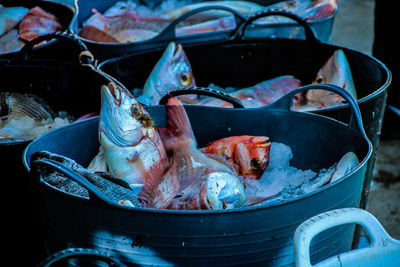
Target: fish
[
  {"x": 320, "y": 9},
  {"x": 9, "y": 42},
  {"x": 306, "y": 9},
  {"x": 27, "y": 116},
  {"x": 10, "y": 17},
  {"x": 345, "y": 165},
  {"x": 17, "y": 105},
  {"x": 128, "y": 137},
  {"x": 121, "y": 24},
  {"x": 113, "y": 188},
  {"x": 336, "y": 71},
  {"x": 224, "y": 23},
  {"x": 38, "y": 22},
  {"x": 172, "y": 71},
  {"x": 243, "y": 7},
  {"x": 249, "y": 155},
  {"x": 133, "y": 35},
  {"x": 193, "y": 181},
  {"x": 261, "y": 94}
]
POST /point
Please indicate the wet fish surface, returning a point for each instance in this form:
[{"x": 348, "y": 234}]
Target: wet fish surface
[
  {"x": 193, "y": 180},
  {"x": 128, "y": 137}
]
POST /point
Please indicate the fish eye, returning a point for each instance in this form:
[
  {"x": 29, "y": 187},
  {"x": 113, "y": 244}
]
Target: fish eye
[
  {"x": 136, "y": 111},
  {"x": 320, "y": 79},
  {"x": 255, "y": 163},
  {"x": 185, "y": 78}
]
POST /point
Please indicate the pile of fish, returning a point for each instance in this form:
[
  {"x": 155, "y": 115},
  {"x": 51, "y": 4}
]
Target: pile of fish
[
  {"x": 20, "y": 24},
  {"x": 140, "y": 165},
  {"x": 173, "y": 72},
  {"x": 129, "y": 21},
  {"x": 26, "y": 116}
]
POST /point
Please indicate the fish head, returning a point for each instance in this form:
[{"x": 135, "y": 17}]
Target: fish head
[
  {"x": 173, "y": 71},
  {"x": 337, "y": 71},
  {"x": 222, "y": 190},
  {"x": 252, "y": 156},
  {"x": 123, "y": 120}
]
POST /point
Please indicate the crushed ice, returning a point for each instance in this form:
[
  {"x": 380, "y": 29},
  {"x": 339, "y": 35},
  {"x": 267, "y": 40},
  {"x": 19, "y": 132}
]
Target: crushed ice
[{"x": 282, "y": 180}]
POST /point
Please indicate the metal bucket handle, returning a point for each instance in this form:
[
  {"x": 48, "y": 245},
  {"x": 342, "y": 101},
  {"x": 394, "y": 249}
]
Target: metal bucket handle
[
  {"x": 80, "y": 253},
  {"x": 85, "y": 57},
  {"x": 355, "y": 122},
  {"x": 236, "y": 103},
  {"x": 169, "y": 32},
  {"x": 95, "y": 195},
  {"x": 308, "y": 31},
  {"x": 379, "y": 238}
]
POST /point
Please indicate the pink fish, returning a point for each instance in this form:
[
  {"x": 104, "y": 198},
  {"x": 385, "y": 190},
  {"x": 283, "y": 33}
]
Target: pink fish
[
  {"x": 336, "y": 71},
  {"x": 38, "y": 22},
  {"x": 224, "y": 23},
  {"x": 193, "y": 181},
  {"x": 261, "y": 94},
  {"x": 320, "y": 9}
]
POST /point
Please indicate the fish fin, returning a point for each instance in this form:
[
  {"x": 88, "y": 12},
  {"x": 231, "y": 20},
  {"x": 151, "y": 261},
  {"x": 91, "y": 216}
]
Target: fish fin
[
  {"x": 178, "y": 128},
  {"x": 98, "y": 163},
  {"x": 221, "y": 159},
  {"x": 28, "y": 105}
]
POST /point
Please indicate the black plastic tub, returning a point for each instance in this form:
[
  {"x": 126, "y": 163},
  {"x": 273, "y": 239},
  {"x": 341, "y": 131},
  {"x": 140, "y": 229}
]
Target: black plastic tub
[
  {"x": 60, "y": 83},
  {"x": 260, "y": 234},
  {"x": 103, "y": 51},
  {"x": 66, "y": 14},
  {"x": 242, "y": 62}
]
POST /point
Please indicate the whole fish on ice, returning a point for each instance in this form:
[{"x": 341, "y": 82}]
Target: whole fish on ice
[
  {"x": 26, "y": 116},
  {"x": 10, "y": 17},
  {"x": 193, "y": 181},
  {"x": 38, "y": 22},
  {"x": 249, "y": 155}
]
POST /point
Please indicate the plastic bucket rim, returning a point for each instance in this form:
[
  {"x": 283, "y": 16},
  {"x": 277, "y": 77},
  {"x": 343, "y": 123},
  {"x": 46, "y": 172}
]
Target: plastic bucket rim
[
  {"x": 362, "y": 164},
  {"x": 78, "y": 24},
  {"x": 386, "y": 83}
]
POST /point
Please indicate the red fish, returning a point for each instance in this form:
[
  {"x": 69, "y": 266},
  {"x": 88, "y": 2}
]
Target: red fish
[
  {"x": 193, "y": 181},
  {"x": 249, "y": 155},
  {"x": 38, "y": 22},
  {"x": 320, "y": 9}
]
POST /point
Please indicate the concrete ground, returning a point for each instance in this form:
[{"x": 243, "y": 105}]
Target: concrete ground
[{"x": 354, "y": 28}]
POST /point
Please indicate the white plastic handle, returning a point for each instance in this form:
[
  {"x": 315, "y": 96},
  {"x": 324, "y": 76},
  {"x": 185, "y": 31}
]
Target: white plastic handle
[{"x": 324, "y": 221}]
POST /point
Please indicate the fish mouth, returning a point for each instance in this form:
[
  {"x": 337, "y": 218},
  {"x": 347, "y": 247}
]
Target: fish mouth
[{"x": 175, "y": 52}]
